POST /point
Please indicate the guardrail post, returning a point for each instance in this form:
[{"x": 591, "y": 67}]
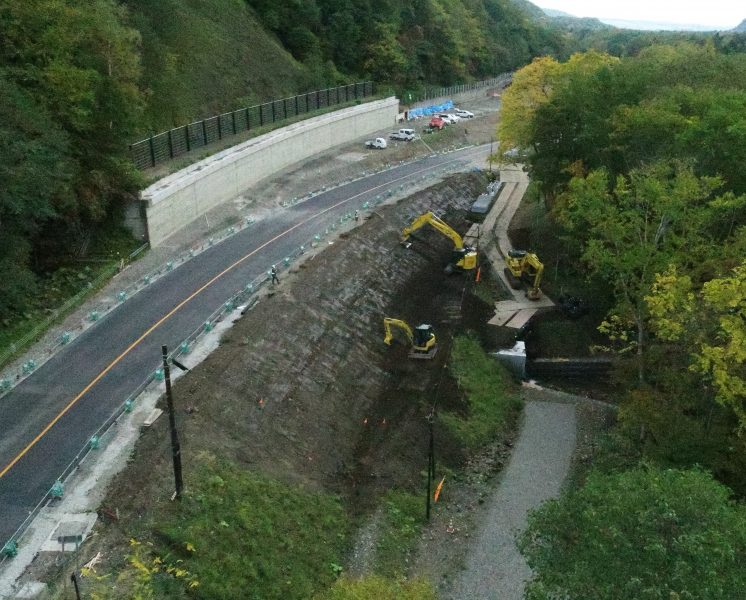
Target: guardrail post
[
  {"x": 57, "y": 491},
  {"x": 10, "y": 549}
]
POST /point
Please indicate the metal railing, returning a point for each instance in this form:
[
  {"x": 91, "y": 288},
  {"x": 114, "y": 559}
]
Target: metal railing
[
  {"x": 431, "y": 93},
  {"x": 167, "y": 145}
]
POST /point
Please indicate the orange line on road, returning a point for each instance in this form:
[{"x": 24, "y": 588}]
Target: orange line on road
[{"x": 168, "y": 315}]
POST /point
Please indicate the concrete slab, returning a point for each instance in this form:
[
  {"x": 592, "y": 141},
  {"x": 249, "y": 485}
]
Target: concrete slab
[
  {"x": 472, "y": 237},
  {"x": 152, "y": 417},
  {"x": 30, "y": 589},
  {"x": 515, "y": 319},
  {"x": 70, "y": 532}
]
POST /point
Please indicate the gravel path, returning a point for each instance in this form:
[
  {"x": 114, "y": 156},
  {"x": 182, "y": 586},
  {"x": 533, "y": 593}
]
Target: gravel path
[{"x": 540, "y": 461}]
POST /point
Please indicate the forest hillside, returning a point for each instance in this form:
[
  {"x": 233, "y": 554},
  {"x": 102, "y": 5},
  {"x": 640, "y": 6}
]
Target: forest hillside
[{"x": 81, "y": 81}]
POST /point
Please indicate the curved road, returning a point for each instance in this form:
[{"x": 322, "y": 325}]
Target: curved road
[{"x": 50, "y": 416}]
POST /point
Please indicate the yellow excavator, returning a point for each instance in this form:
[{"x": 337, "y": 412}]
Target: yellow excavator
[
  {"x": 524, "y": 266},
  {"x": 422, "y": 337},
  {"x": 464, "y": 257}
]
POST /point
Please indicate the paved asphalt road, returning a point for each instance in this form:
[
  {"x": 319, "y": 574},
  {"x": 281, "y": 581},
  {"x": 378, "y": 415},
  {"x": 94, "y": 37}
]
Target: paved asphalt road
[{"x": 126, "y": 344}]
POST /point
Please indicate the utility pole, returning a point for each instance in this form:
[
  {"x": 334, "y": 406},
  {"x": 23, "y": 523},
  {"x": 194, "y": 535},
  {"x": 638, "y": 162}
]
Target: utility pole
[
  {"x": 175, "y": 447},
  {"x": 74, "y": 579},
  {"x": 430, "y": 462}
]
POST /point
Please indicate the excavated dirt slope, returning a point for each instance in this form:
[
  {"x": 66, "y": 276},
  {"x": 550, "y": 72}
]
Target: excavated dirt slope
[{"x": 303, "y": 387}]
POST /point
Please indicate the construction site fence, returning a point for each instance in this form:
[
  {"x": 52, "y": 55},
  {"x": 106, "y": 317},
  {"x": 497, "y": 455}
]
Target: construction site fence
[
  {"x": 443, "y": 92},
  {"x": 170, "y": 144},
  {"x": 242, "y": 298}
]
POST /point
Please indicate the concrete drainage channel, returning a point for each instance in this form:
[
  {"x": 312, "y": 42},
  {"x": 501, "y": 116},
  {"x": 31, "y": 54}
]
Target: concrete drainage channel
[{"x": 65, "y": 517}]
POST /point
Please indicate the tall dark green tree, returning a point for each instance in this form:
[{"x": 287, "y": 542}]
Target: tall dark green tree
[
  {"x": 70, "y": 102},
  {"x": 645, "y": 533}
]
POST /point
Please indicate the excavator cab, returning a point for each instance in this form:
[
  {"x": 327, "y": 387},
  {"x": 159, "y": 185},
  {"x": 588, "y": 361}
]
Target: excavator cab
[
  {"x": 524, "y": 266},
  {"x": 464, "y": 259},
  {"x": 422, "y": 337}
]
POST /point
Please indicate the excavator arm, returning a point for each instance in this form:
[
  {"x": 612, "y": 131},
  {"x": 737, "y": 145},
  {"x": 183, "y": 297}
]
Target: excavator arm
[
  {"x": 535, "y": 269},
  {"x": 464, "y": 257},
  {"x": 429, "y": 218},
  {"x": 388, "y": 323}
]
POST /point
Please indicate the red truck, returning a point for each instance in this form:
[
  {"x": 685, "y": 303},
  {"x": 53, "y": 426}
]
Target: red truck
[{"x": 437, "y": 123}]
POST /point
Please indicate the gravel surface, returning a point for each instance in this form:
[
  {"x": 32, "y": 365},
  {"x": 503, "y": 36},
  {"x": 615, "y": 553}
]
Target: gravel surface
[{"x": 537, "y": 469}]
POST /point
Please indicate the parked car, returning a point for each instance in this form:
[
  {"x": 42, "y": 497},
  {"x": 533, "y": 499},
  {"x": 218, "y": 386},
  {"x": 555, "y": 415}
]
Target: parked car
[
  {"x": 464, "y": 114},
  {"x": 379, "y": 143},
  {"x": 454, "y": 117},
  {"x": 447, "y": 118},
  {"x": 406, "y": 135},
  {"x": 437, "y": 123}
]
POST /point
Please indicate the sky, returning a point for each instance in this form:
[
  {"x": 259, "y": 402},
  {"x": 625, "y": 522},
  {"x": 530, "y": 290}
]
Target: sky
[{"x": 720, "y": 14}]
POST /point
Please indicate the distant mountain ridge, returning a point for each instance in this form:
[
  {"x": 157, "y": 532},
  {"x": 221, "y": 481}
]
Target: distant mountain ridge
[
  {"x": 566, "y": 19},
  {"x": 571, "y": 22},
  {"x": 657, "y": 25}
]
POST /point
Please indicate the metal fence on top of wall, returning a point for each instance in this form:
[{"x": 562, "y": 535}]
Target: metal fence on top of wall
[
  {"x": 180, "y": 140},
  {"x": 431, "y": 93}
]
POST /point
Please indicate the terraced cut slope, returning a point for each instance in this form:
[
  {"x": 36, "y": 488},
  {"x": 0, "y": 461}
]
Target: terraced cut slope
[{"x": 302, "y": 388}]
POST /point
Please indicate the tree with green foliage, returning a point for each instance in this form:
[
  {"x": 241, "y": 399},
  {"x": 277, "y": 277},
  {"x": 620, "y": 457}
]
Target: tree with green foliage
[
  {"x": 682, "y": 102},
  {"x": 35, "y": 173},
  {"x": 643, "y": 533},
  {"x": 712, "y": 323},
  {"x": 69, "y": 104},
  {"x": 634, "y": 230}
]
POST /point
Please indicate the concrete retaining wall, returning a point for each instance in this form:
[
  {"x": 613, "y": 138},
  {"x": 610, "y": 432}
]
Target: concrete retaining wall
[{"x": 178, "y": 199}]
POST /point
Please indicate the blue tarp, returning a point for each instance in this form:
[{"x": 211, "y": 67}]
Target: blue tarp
[{"x": 426, "y": 111}]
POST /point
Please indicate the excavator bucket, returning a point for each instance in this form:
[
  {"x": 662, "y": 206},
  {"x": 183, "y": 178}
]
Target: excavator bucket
[{"x": 533, "y": 294}]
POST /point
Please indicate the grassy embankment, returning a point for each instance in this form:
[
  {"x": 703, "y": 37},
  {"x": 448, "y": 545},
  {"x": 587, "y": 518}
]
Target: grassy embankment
[{"x": 490, "y": 396}]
